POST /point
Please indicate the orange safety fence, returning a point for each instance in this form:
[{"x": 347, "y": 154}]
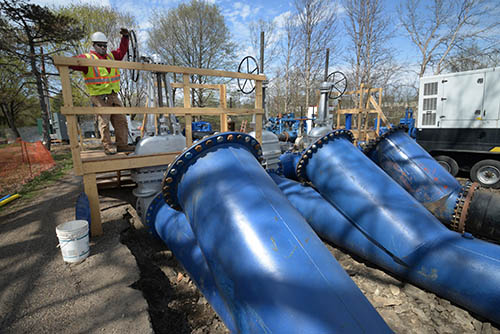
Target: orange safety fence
[{"x": 20, "y": 162}]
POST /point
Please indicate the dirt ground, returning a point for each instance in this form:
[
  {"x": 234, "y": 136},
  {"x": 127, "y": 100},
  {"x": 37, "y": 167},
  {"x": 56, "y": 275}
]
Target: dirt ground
[{"x": 174, "y": 304}]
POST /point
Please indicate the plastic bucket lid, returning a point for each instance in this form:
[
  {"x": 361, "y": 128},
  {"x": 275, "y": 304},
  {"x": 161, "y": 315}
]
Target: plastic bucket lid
[{"x": 71, "y": 228}]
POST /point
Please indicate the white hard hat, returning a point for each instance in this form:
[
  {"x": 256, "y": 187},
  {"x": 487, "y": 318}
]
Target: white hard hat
[{"x": 98, "y": 37}]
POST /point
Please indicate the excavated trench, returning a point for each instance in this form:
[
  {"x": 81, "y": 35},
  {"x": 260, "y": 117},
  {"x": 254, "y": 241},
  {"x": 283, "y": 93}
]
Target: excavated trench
[{"x": 177, "y": 306}]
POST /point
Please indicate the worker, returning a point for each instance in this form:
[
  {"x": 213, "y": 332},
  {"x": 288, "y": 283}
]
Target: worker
[{"x": 103, "y": 85}]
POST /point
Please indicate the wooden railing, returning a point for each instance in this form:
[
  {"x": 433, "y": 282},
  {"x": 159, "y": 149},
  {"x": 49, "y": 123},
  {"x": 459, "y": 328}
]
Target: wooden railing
[
  {"x": 366, "y": 104},
  {"x": 88, "y": 164}
]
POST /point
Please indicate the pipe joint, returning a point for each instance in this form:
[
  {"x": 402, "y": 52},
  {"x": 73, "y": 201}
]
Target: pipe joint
[
  {"x": 179, "y": 166},
  {"x": 462, "y": 207},
  {"x": 315, "y": 146}
]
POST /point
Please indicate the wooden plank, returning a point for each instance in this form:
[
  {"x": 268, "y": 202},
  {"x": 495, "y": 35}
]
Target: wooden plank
[
  {"x": 187, "y": 104},
  {"x": 193, "y": 85},
  {"x": 258, "y": 128},
  {"x": 100, "y": 165},
  {"x": 223, "y": 104},
  {"x": 159, "y": 110},
  {"x": 90, "y": 187},
  {"x": 73, "y": 61},
  {"x": 365, "y": 115},
  {"x": 360, "y": 106},
  {"x": 258, "y": 105},
  {"x": 72, "y": 122},
  {"x": 377, "y": 107},
  {"x": 356, "y": 111},
  {"x": 80, "y": 134}
]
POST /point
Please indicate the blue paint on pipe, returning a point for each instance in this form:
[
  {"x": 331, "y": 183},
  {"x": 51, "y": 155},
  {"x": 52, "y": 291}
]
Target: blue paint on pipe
[
  {"x": 385, "y": 225},
  {"x": 348, "y": 121},
  {"x": 419, "y": 173},
  {"x": 270, "y": 267},
  {"x": 172, "y": 227},
  {"x": 289, "y": 162},
  {"x": 369, "y": 197}
]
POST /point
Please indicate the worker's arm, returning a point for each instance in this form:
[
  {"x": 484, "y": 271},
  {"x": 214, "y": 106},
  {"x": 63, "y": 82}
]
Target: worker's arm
[
  {"x": 122, "y": 49},
  {"x": 83, "y": 69}
]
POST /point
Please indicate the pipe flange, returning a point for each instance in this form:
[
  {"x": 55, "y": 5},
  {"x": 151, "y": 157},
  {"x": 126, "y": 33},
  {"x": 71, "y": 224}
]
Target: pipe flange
[
  {"x": 151, "y": 213},
  {"x": 372, "y": 144},
  {"x": 462, "y": 207},
  {"x": 188, "y": 157},
  {"x": 300, "y": 170}
]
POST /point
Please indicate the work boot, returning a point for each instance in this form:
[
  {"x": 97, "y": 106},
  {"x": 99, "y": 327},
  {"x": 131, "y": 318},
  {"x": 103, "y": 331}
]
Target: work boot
[
  {"x": 126, "y": 148},
  {"x": 109, "y": 151}
]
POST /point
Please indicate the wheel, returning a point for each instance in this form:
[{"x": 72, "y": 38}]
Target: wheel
[
  {"x": 339, "y": 84},
  {"x": 486, "y": 173},
  {"x": 247, "y": 65},
  {"x": 133, "y": 54},
  {"x": 448, "y": 163}
]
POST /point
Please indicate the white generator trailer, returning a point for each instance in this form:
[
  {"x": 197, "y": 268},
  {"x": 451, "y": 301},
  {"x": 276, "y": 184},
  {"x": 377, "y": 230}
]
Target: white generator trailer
[{"x": 458, "y": 122}]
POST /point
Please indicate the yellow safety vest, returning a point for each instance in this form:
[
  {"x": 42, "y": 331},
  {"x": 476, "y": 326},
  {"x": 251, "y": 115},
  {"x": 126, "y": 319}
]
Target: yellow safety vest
[{"x": 99, "y": 81}]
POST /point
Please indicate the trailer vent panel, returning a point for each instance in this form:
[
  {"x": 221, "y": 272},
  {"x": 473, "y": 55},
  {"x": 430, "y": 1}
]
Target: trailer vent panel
[
  {"x": 431, "y": 88},
  {"x": 429, "y": 118},
  {"x": 430, "y": 104}
]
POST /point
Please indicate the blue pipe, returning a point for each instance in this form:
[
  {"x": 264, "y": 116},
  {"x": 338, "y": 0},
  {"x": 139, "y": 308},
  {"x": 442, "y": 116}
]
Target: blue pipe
[
  {"x": 388, "y": 227},
  {"x": 289, "y": 161},
  {"x": 273, "y": 271},
  {"x": 462, "y": 208},
  {"x": 348, "y": 121},
  {"x": 418, "y": 172},
  {"x": 172, "y": 227}
]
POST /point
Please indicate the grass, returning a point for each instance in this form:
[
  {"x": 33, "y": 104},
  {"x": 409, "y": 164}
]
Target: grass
[{"x": 64, "y": 163}]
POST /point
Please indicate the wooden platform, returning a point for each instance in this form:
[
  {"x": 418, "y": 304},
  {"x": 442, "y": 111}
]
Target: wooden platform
[{"x": 89, "y": 164}]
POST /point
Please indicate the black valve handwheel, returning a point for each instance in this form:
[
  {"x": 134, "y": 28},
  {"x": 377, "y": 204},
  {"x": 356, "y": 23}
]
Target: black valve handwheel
[
  {"x": 247, "y": 65},
  {"x": 133, "y": 54},
  {"x": 339, "y": 84}
]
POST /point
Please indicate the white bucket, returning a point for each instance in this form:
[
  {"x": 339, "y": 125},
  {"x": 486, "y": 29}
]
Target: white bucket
[{"x": 74, "y": 240}]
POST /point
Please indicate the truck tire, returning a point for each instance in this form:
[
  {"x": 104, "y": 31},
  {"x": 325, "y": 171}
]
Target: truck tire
[
  {"x": 448, "y": 163},
  {"x": 486, "y": 173}
]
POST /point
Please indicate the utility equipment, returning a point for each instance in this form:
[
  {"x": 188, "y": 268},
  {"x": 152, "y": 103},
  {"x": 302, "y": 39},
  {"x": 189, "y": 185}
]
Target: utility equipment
[{"x": 458, "y": 122}]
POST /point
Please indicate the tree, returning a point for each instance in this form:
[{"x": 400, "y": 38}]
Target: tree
[
  {"x": 316, "y": 27},
  {"x": 367, "y": 27},
  {"x": 193, "y": 35},
  {"x": 270, "y": 41},
  {"x": 472, "y": 57},
  {"x": 439, "y": 28},
  {"x": 288, "y": 45},
  {"x": 25, "y": 27},
  {"x": 16, "y": 96}
]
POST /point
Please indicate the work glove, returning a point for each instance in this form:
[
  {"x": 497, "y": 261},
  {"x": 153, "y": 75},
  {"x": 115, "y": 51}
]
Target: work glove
[{"x": 124, "y": 31}]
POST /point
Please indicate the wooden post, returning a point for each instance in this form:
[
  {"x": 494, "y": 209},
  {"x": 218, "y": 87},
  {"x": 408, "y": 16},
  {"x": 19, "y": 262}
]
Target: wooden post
[
  {"x": 187, "y": 104},
  {"x": 339, "y": 107},
  {"x": 79, "y": 132},
  {"x": 71, "y": 120},
  {"x": 365, "y": 113},
  {"x": 360, "y": 109},
  {"x": 90, "y": 187},
  {"x": 258, "y": 105},
  {"x": 223, "y": 104}
]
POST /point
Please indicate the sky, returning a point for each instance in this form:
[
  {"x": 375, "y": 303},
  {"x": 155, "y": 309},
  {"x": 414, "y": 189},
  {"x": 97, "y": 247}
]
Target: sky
[{"x": 238, "y": 16}]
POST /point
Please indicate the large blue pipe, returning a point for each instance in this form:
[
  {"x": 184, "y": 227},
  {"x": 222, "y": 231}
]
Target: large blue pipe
[
  {"x": 461, "y": 208},
  {"x": 272, "y": 270},
  {"x": 416, "y": 171},
  {"x": 172, "y": 227},
  {"x": 289, "y": 161},
  {"x": 385, "y": 225}
]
